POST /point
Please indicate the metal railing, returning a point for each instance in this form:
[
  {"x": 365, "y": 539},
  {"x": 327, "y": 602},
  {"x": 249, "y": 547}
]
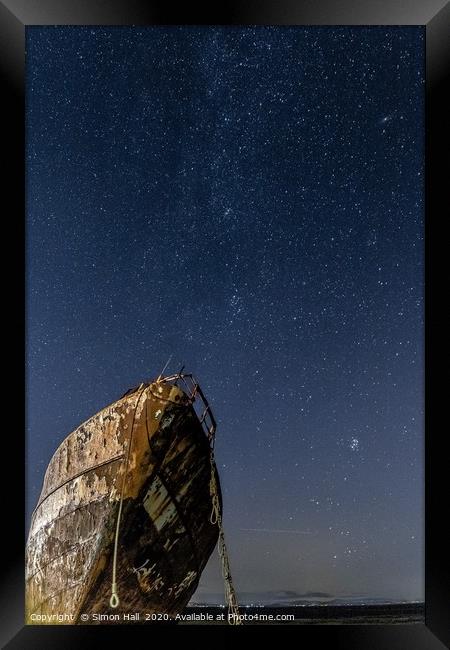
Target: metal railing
[{"x": 191, "y": 388}]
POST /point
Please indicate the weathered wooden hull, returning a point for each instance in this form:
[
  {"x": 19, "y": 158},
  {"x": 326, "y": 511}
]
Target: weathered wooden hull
[{"x": 150, "y": 448}]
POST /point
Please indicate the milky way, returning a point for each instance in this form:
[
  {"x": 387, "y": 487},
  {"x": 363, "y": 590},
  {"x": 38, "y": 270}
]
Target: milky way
[{"x": 249, "y": 200}]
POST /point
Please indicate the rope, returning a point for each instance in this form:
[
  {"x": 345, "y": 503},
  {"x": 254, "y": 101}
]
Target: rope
[
  {"x": 114, "y": 600},
  {"x": 216, "y": 519}
]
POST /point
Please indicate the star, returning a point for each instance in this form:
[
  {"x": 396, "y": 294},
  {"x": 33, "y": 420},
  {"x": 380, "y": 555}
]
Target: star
[{"x": 247, "y": 201}]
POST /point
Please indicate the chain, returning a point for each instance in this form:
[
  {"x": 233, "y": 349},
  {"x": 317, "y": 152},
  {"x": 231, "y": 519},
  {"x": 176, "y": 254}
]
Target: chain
[{"x": 216, "y": 519}]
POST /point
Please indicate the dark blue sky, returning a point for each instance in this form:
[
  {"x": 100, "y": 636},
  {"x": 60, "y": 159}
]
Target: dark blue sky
[{"x": 250, "y": 200}]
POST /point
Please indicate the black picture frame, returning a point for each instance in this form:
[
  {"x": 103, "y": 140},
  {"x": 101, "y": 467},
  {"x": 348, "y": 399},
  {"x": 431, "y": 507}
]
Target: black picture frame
[{"x": 15, "y": 15}]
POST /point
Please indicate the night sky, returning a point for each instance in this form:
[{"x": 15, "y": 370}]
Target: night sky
[{"x": 249, "y": 200}]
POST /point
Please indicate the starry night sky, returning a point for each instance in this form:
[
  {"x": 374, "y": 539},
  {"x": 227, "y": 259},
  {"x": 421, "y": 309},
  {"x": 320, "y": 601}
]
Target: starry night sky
[{"x": 249, "y": 200}]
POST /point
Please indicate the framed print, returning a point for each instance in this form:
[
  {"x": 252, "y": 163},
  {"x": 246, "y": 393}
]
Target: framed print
[{"x": 228, "y": 227}]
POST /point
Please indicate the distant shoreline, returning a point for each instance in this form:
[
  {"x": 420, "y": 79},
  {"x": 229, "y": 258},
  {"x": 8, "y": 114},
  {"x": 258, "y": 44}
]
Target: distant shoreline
[{"x": 387, "y": 614}]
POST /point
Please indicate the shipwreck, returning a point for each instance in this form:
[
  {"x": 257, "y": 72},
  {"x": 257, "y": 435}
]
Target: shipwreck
[{"x": 130, "y": 511}]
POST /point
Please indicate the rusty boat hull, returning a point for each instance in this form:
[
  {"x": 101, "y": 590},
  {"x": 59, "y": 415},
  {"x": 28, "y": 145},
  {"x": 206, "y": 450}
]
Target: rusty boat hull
[{"x": 149, "y": 452}]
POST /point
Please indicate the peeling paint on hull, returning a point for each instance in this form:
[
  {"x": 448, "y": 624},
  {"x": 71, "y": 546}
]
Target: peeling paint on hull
[{"x": 165, "y": 536}]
